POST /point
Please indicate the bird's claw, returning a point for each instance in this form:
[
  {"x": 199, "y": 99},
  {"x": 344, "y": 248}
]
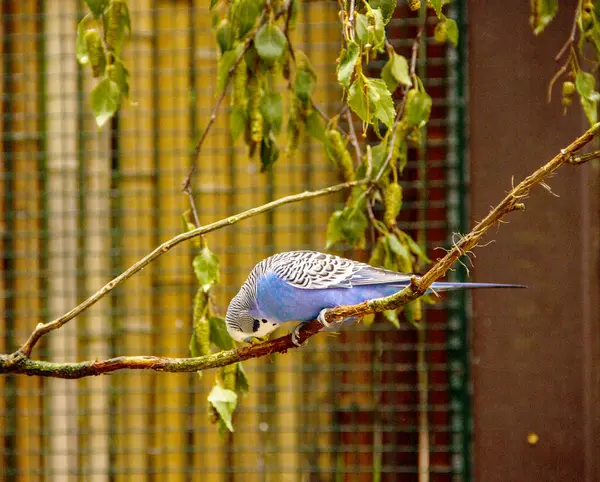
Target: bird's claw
[
  {"x": 322, "y": 319},
  {"x": 295, "y": 334}
]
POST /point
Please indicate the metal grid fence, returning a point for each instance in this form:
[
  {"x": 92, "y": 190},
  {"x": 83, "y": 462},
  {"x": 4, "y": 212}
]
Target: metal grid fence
[{"x": 79, "y": 206}]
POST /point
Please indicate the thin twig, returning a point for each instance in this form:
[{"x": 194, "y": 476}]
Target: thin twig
[
  {"x": 44, "y": 328},
  {"x": 19, "y": 362},
  {"x": 571, "y": 40},
  {"x": 353, "y": 138}
]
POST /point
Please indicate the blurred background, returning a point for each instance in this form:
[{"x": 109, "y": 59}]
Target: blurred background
[{"x": 513, "y": 378}]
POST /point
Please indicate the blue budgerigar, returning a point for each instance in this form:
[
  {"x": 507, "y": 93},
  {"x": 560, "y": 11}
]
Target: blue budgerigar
[{"x": 302, "y": 285}]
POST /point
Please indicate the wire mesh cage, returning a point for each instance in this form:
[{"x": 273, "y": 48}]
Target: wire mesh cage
[{"x": 79, "y": 205}]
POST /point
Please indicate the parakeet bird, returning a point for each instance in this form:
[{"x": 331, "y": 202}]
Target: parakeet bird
[{"x": 302, "y": 285}]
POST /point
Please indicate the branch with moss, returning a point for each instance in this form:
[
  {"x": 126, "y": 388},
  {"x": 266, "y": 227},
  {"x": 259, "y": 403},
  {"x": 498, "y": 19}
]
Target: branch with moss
[{"x": 20, "y": 361}]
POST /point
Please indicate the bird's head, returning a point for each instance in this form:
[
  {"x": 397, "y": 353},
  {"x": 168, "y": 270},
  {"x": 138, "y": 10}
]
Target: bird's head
[{"x": 241, "y": 324}]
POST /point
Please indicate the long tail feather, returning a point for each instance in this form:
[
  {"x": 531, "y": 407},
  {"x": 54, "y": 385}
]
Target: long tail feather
[{"x": 447, "y": 286}]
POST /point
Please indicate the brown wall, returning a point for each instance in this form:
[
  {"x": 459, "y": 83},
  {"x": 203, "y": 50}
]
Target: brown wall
[{"x": 536, "y": 352}]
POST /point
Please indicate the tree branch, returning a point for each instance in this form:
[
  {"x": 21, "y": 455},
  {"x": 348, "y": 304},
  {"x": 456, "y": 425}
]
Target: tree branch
[
  {"x": 44, "y": 328},
  {"x": 19, "y": 362}
]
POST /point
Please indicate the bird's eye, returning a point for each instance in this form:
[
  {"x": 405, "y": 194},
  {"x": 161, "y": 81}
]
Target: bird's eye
[
  {"x": 255, "y": 326},
  {"x": 264, "y": 320}
]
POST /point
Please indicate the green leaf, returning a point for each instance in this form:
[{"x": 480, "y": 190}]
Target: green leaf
[
  {"x": 237, "y": 121},
  {"x": 452, "y": 31},
  {"x": 586, "y": 87},
  {"x": 81, "y": 50},
  {"x": 269, "y": 152},
  {"x": 381, "y": 99},
  {"x": 224, "y": 402},
  {"x": 387, "y": 8},
  {"x": 304, "y": 84},
  {"x": 347, "y": 225},
  {"x": 357, "y": 100},
  {"x": 396, "y": 246},
  {"x": 392, "y": 317},
  {"x": 418, "y": 108},
  {"x": 226, "y": 62},
  {"x": 590, "y": 107},
  {"x": 213, "y": 4},
  {"x": 543, "y": 11},
  {"x": 437, "y": 6},
  {"x": 415, "y": 248},
  {"x": 120, "y": 75},
  {"x": 334, "y": 229},
  {"x": 225, "y": 36},
  {"x": 105, "y": 99},
  {"x": 396, "y": 71},
  {"x": 206, "y": 268},
  {"x": 315, "y": 126},
  {"x": 272, "y": 110},
  {"x": 219, "y": 336},
  {"x": 241, "y": 383},
  {"x": 397, "y": 255},
  {"x": 243, "y": 15},
  {"x": 378, "y": 37},
  {"x": 270, "y": 42},
  {"x": 412, "y": 312},
  {"x": 347, "y": 62},
  {"x": 361, "y": 25},
  {"x": 97, "y": 7}
]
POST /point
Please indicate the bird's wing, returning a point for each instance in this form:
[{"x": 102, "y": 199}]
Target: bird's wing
[{"x": 314, "y": 270}]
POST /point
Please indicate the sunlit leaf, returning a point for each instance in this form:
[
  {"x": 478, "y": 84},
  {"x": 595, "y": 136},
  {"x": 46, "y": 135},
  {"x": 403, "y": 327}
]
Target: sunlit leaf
[
  {"x": 347, "y": 62},
  {"x": 224, "y": 402},
  {"x": 585, "y": 84},
  {"x": 418, "y": 108},
  {"x": 387, "y": 8},
  {"x": 396, "y": 71},
  {"x": 81, "y": 50},
  {"x": 392, "y": 317},
  {"x": 437, "y": 6},
  {"x": 105, "y": 99},
  {"x": 206, "y": 268},
  {"x": 357, "y": 100},
  {"x": 361, "y": 26},
  {"x": 381, "y": 99},
  {"x": 452, "y": 31},
  {"x": 542, "y": 13}
]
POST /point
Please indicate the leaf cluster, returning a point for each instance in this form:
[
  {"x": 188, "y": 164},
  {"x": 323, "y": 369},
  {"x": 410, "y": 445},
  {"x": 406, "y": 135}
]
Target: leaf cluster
[{"x": 100, "y": 38}]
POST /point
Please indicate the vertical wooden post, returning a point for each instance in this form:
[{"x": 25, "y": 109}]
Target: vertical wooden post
[{"x": 61, "y": 401}]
